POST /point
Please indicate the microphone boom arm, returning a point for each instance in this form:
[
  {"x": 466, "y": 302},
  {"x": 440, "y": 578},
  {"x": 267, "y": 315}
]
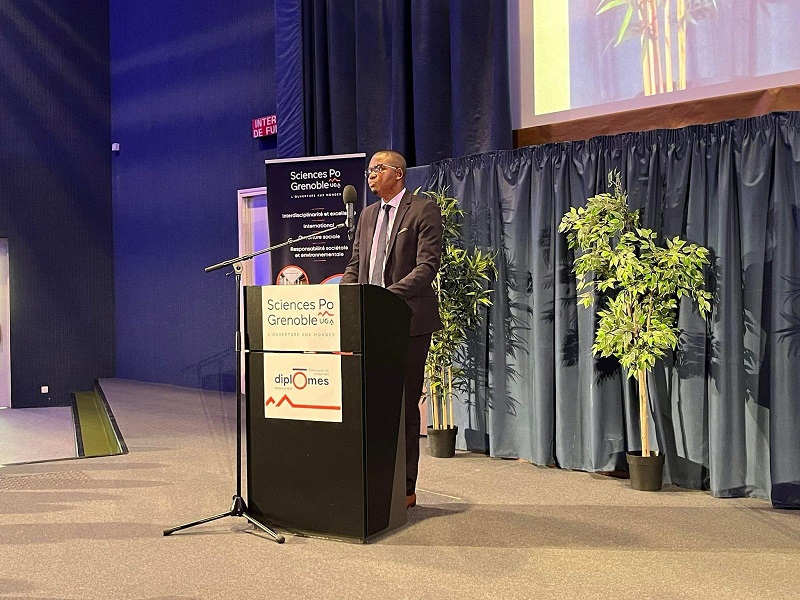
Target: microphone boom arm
[{"x": 246, "y": 257}]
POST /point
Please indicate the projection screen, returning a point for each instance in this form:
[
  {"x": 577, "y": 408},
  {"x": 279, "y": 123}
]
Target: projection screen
[{"x": 572, "y": 59}]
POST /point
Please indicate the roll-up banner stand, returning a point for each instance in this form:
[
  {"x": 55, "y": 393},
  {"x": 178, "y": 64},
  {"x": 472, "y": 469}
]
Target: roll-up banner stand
[{"x": 305, "y": 195}]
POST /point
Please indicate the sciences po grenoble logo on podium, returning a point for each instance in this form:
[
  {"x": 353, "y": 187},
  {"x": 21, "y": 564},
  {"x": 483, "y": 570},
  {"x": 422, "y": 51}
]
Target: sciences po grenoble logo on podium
[
  {"x": 301, "y": 386},
  {"x": 308, "y": 319}
]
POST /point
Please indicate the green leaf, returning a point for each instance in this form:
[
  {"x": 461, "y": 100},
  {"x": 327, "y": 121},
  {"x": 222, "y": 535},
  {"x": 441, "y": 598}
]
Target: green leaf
[
  {"x": 609, "y": 4},
  {"x": 624, "y": 27}
]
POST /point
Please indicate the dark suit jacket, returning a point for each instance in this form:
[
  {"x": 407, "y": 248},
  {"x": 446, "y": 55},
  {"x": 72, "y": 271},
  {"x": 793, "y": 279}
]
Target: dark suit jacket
[{"x": 412, "y": 259}]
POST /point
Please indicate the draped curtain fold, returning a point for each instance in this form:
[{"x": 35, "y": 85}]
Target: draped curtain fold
[
  {"x": 726, "y": 404},
  {"x": 428, "y": 79}
]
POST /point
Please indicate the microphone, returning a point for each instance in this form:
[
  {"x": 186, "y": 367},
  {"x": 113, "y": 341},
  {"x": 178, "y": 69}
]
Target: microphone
[{"x": 349, "y": 196}]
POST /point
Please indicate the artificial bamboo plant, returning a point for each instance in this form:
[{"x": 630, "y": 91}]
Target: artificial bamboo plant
[{"x": 461, "y": 287}]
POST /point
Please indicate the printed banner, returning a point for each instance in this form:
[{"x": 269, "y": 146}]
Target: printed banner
[
  {"x": 309, "y": 320},
  {"x": 303, "y": 387},
  {"x": 304, "y": 195}
]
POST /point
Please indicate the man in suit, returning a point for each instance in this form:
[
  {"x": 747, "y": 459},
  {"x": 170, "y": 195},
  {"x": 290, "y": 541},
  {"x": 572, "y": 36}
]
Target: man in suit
[{"x": 398, "y": 245}]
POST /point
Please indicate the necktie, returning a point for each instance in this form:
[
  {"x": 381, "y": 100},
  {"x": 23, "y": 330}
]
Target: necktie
[{"x": 380, "y": 251}]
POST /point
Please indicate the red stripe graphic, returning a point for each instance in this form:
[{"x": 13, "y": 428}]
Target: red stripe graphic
[
  {"x": 286, "y": 399},
  {"x": 325, "y": 314}
]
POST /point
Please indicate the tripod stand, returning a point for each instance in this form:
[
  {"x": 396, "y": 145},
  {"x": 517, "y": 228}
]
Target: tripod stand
[{"x": 239, "y": 506}]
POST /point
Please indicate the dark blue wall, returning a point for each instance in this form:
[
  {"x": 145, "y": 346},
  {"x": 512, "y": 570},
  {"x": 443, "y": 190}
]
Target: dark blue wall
[
  {"x": 187, "y": 78},
  {"x": 55, "y": 195}
]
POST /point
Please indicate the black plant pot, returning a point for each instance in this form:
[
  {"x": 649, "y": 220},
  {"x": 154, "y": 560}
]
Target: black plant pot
[
  {"x": 442, "y": 442},
  {"x": 647, "y": 472}
]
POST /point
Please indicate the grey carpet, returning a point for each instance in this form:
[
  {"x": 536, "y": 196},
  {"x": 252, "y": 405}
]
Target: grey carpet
[
  {"x": 485, "y": 528},
  {"x": 34, "y": 434}
]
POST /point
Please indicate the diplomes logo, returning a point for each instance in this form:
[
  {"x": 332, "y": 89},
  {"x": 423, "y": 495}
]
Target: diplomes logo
[
  {"x": 302, "y": 391},
  {"x": 306, "y": 387},
  {"x": 300, "y": 379}
]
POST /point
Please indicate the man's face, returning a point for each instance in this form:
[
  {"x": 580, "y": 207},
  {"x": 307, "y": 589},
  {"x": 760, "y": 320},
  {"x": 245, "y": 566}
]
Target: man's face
[{"x": 384, "y": 179}]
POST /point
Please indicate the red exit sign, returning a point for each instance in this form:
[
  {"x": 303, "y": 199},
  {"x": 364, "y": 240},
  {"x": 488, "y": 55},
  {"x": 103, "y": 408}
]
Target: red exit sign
[{"x": 264, "y": 126}]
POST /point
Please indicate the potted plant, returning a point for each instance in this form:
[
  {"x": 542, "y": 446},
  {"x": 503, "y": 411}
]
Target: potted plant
[
  {"x": 639, "y": 284},
  {"x": 463, "y": 294}
]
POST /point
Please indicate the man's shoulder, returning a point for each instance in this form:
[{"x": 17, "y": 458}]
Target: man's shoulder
[
  {"x": 373, "y": 206},
  {"x": 420, "y": 198},
  {"x": 424, "y": 205}
]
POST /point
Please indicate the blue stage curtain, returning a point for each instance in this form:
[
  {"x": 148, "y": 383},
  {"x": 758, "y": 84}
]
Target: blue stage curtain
[
  {"x": 428, "y": 79},
  {"x": 289, "y": 78},
  {"x": 727, "y": 403}
]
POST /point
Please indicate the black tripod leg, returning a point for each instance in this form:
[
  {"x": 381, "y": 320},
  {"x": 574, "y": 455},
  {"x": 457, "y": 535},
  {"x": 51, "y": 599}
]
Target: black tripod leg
[
  {"x": 193, "y": 523},
  {"x": 238, "y": 509},
  {"x": 275, "y": 536}
]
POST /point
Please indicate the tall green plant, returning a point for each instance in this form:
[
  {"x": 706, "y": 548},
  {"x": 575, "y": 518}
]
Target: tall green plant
[
  {"x": 639, "y": 284},
  {"x": 461, "y": 287}
]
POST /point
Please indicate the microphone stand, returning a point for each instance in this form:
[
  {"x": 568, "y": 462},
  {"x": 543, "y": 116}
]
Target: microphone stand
[{"x": 239, "y": 506}]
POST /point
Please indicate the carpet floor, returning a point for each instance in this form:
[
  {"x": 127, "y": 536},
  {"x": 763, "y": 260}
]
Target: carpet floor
[
  {"x": 484, "y": 528},
  {"x": 36, "y": 434}
]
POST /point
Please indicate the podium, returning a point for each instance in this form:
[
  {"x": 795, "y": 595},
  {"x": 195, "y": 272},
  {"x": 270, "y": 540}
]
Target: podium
[{"x": 324, "y": 374}]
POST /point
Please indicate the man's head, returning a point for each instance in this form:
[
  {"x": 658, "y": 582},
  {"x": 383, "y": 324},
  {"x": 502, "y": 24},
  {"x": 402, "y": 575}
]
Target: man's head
[{"x": 386, "y": 174}]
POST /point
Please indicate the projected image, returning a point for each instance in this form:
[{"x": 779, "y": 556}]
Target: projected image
[
  {"x": 590, "y": 53},
  {"x": 658, "y": 31}
]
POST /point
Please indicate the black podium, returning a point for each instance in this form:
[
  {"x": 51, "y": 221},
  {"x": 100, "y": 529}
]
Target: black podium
[{"x": 325, "y": 418}]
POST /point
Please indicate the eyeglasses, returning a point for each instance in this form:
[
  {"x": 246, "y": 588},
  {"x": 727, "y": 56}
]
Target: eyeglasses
[{"x": 380, "y": 168}]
